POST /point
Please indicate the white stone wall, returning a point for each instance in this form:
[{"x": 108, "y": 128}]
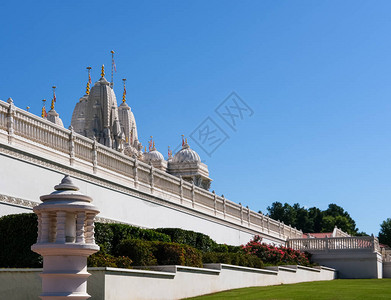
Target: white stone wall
[
  {"x": 352, "y": 263},
  {"x": 386, "y": 269},
  {"x": 168, "y": 282}
]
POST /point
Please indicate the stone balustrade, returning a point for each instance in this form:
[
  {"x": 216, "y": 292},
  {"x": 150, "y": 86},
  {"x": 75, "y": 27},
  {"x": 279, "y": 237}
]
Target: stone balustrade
[
  {"x": 28, "y": 128},
  {"x": 369, "y": 243}
]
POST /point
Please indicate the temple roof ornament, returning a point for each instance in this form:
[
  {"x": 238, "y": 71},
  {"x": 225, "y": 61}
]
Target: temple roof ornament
[
  {"x": 124, "y": 93},
  {"x": 89, "y": 81},
  {"x": 43, "y": 112},
  {"x": 187, "y": 164},
  {"x": 52, "y": 115},
  {"x": 154, "y": 157},
  {"x": 186, "y": 154}
]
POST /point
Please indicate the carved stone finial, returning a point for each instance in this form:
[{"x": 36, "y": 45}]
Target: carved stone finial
[
  {"x": 9, "y": 100},
  {"x": 66, "y": 184}
]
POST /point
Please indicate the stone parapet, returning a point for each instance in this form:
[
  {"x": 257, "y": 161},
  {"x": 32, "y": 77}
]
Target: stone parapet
[{"x": 50, "y": 142}]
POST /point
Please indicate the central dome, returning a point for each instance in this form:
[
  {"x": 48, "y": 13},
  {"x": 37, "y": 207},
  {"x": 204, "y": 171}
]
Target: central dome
[{"x": 186, "y": 155}]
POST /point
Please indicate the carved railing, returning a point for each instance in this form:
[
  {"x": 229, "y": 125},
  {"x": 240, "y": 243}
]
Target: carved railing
[
  {"x": 335, "y": 243},
  {"x": 386, "y": 254},
  {"x": 15, "y": 122}
]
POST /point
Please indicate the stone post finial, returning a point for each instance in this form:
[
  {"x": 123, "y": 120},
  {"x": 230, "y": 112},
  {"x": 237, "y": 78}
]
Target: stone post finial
[{"x": 65, "y": 240}]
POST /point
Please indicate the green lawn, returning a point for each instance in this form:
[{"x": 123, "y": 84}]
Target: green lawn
[{"x": 335, "y": 289}]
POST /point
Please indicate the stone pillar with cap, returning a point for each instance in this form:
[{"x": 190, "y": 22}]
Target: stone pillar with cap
[{"x": 65, "y": 240}]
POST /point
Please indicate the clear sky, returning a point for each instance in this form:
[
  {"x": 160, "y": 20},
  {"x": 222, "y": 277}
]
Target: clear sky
[{"x": 315, "y": 74}]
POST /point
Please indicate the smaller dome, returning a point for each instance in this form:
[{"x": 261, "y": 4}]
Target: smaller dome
[
  {"x": 54, "y": 117},
  {"x": 153, "y": 156},
  {"x": 186, "y": 155}
]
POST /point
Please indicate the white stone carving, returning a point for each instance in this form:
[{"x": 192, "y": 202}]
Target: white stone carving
[{"x": 65, "y": 240}]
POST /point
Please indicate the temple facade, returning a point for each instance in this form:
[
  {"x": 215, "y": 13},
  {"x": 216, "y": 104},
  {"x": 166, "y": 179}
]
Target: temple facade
[{"x": 98, "y": 116}]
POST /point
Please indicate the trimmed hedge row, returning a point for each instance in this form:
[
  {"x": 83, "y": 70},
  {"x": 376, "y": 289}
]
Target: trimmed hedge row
[
  {"x": 108, "y": 236},
  {"x": 124, "y": 246},
  {"x": 239, "y": 259},
  {"x": 197, "y": 240},
  {"x": 102, "y": 259},
  {"x": 148, "y": 253},
  {"x": 17, "y": 234}
]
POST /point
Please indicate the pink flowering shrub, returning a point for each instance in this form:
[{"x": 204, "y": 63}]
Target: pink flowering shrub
[{"x": 275, "y": 255}]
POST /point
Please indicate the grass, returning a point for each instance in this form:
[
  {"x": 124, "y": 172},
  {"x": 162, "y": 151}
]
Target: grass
[{"x": 335, "y": 289}]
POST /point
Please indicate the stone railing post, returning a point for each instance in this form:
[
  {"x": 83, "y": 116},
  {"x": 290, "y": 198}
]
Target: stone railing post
[
  {"x": 192, "y": 194},
  {"x": 248, "y": 215},
  {"x": 10, "y": 120},
  {"x": 71, "y": 146},
  {"x": 95, "y": 155},
  {"x": 327, "y": 244},
  {"x": 151, "y": 178},
  {"x": 181, "y": 189},
  {"x": 241, "y": 213},
  {"x": 268, "y": 224},
  {"x": 214, "y": 202},
  {"x": 135, "y": 172},
  {"x": 224, "y": 206}
]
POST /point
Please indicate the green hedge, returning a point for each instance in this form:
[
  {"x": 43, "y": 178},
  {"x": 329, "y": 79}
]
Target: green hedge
[
  {"x": 197, "y": 240},
  {"x": 147, "y": 253},
  {"x": 142, "y": 247},
  {"x": 108, "y": 236},
  {"x": 102, "y": 259},
  {"x": 17, "y": 234},
  {"x": 239, "y": 259}
]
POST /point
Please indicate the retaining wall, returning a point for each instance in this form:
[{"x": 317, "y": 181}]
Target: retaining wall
[
  {"x": 387, "y": 269},
  {"x": 163, "y": 282}
]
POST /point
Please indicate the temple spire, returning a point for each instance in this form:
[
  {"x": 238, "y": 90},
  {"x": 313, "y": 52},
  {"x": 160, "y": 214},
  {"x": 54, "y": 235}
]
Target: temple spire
[
  {"x": 124, "y": 94},
  {"x": 150, "y": 143},
  {"x": 54, "y": 97},
  {"x": 113, "y": 68},
  {"x": 89, "y": 81},
  {"x": 102, "y": 74},
  {"x": 43, "y": 113}
]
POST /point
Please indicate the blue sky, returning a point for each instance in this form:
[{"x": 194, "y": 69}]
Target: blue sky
[{"x": 316, "y": 74}]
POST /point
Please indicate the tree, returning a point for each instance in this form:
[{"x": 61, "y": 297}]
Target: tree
[
  {"x": 362, "y": 233},
  {"x": 303, "y": 221},
  {"x": 335, "y": 215},
  {"x": 316, "y": 215},
  {"x": 385, "y": 232},
  {"x": 313, "y": 219},
  {"x": 285, "y": 213}
]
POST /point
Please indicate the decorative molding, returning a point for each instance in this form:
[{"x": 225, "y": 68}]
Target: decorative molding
[{"x": 18, "y": 201}]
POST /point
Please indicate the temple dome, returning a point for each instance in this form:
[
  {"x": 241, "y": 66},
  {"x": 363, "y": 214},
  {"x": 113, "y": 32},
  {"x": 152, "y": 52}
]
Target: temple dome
[
  {"x": 54, "y": 117},
  {"x": 186, "y": 155},
  {"x": 153, "y": 156}
]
